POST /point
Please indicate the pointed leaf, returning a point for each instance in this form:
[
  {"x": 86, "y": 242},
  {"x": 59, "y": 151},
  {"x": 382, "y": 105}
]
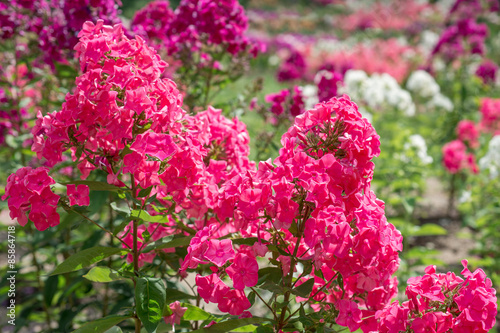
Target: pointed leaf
[
  {"x": 102, "y": 274},
  {"x": 86, "y": 258},
  {"x": 229, "y": 325},
  {"x": 304, "y": 290},
  {"x": 176, "y": 295},
  {"x": 97, "y": 186},
  {"x": 125, "y": 210},
  {"x": 150, "y": 298},
  {"x": 167, "y": 243},
  {"x": 195, "y": 313},
  {"x": 101, "y": 325}
]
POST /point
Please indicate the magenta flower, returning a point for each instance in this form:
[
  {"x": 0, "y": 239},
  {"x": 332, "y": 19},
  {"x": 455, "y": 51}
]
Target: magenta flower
[
  {"x": 78, "y": 195},
  {"x": 177, "y": 313},
  {"x": 243, "y": 271},
  {"x": 219, "y": 251},
  {"x": 234, "y": 302},
  {"x": 349, "y": 314}
]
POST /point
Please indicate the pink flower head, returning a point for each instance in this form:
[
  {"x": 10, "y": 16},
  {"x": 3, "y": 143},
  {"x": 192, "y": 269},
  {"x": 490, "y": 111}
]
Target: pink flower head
[
  {"x": 243, "y": 271},
  {"x": 177, "y": 313},
  {"x": 468, "y": 133},
  {"x": 211, "y": 288},
  {"x": 219, "y": 251},
  {"x": 234, "y": 302},
  {"x": 28, "y": 191},
  {"x": 78, "y": 195},
  {"x": 490, "y": 115},
  {"x": 349, "y": 314},
  {"x": 455, "y": 156}
]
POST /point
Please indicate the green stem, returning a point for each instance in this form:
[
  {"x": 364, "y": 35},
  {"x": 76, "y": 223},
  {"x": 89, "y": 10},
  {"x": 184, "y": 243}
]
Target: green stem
[
  {"x": 41, "y": 286},
  {"x": 102, "y": 228}
]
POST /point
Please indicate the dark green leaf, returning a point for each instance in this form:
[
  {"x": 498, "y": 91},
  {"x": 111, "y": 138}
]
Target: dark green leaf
[
  {"x": 273, "y": 274},
  {"x": 86, "y": 258},
  {"x": 101, "y": 325},
  {"x": 150, "y": 298},
  {"x": 50, "y": 289},
  {"x": 176, "y": 295},
  {"x": 145, "y": 192},
  {"x": 246, "y": 241},
  {"x": 166, "y": 243},
  {"x": 97, "y": 186},
  {"x": 229, "y": 325},
  {"x": 304, "y": 290}
]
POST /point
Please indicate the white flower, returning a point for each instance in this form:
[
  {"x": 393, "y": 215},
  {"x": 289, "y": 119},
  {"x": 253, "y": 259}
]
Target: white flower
[
  {"x": 440, "y": 101},
  {"x": 428, "y": 40},
  {"x": 377, "y": 91},
  {"x": 310, "y": 96},
  {"x": 417, "y": 142},
  {"x": 491, "y": 161},
  {"x": 423, "y": 84}
]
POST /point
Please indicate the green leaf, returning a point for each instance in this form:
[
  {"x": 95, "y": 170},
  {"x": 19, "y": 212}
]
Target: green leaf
[
  {"x": 273, "y": 274},
  {"x": 175, "y": 295},
  {"x": 101, "y": 325},
  {"x": 230, "y": 325},
  {"x": 429, "y": 229},
  {"x": 114, "y": 329},
  {"x": 166, "y": 243},
  {"x": 86, "y": 258},
  {"x": 145, "y": 192},
  {"x": 144, "y": 216},
  {"x": 65, "y": 71},
  {"x": 150, "y": 298},
  {"x": 102, "y": 274},
  {"x": 304, "y": 290},
  {"x": 195, "y": 313},
  {"x": 50, "y": 289},
  {"x": 125, "y": 210},
  {"x": 246, "y": 241},
  {"x": 272, "y": 287},
  {"x": 97, "y": 186}
]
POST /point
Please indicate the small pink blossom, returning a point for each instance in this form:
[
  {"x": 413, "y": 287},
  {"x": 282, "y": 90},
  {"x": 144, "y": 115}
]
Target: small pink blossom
[{"x": 78, "y": 195}]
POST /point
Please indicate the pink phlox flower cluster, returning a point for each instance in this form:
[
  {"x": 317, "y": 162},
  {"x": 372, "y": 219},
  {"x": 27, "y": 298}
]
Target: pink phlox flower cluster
[
  {"x": 287, "y": 102},
  {"x": 490, "y": 115},
  {"x": 487, "y": 71},
  {"x": 153, "y": 21},
  {"x": 468, "y": 133},
  {"x": 456, "y": 157},
  {"x": 460, "y": 38},
  {"x": 242, "y": 269},
  {"x": 226, "y": 142},
  {"x": 328, "y": 82},
  {"x": 14, "y": 120},
  {"x": 193, "y": 25},
  {"x": 324, "y": 171},
  {"x": 382, "y": 56},
  {"x": 293, "y": 68},
  {"x": 122, "y": 117},
  {"x": 55, "y": 23},
  {"x": 28, "y": 191},
  {"x": 442, "y": 303},
  {"x": 463, "y": 9},
  {"x": 394, "y": 15},
  {"x": 78, "y": 195}
]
